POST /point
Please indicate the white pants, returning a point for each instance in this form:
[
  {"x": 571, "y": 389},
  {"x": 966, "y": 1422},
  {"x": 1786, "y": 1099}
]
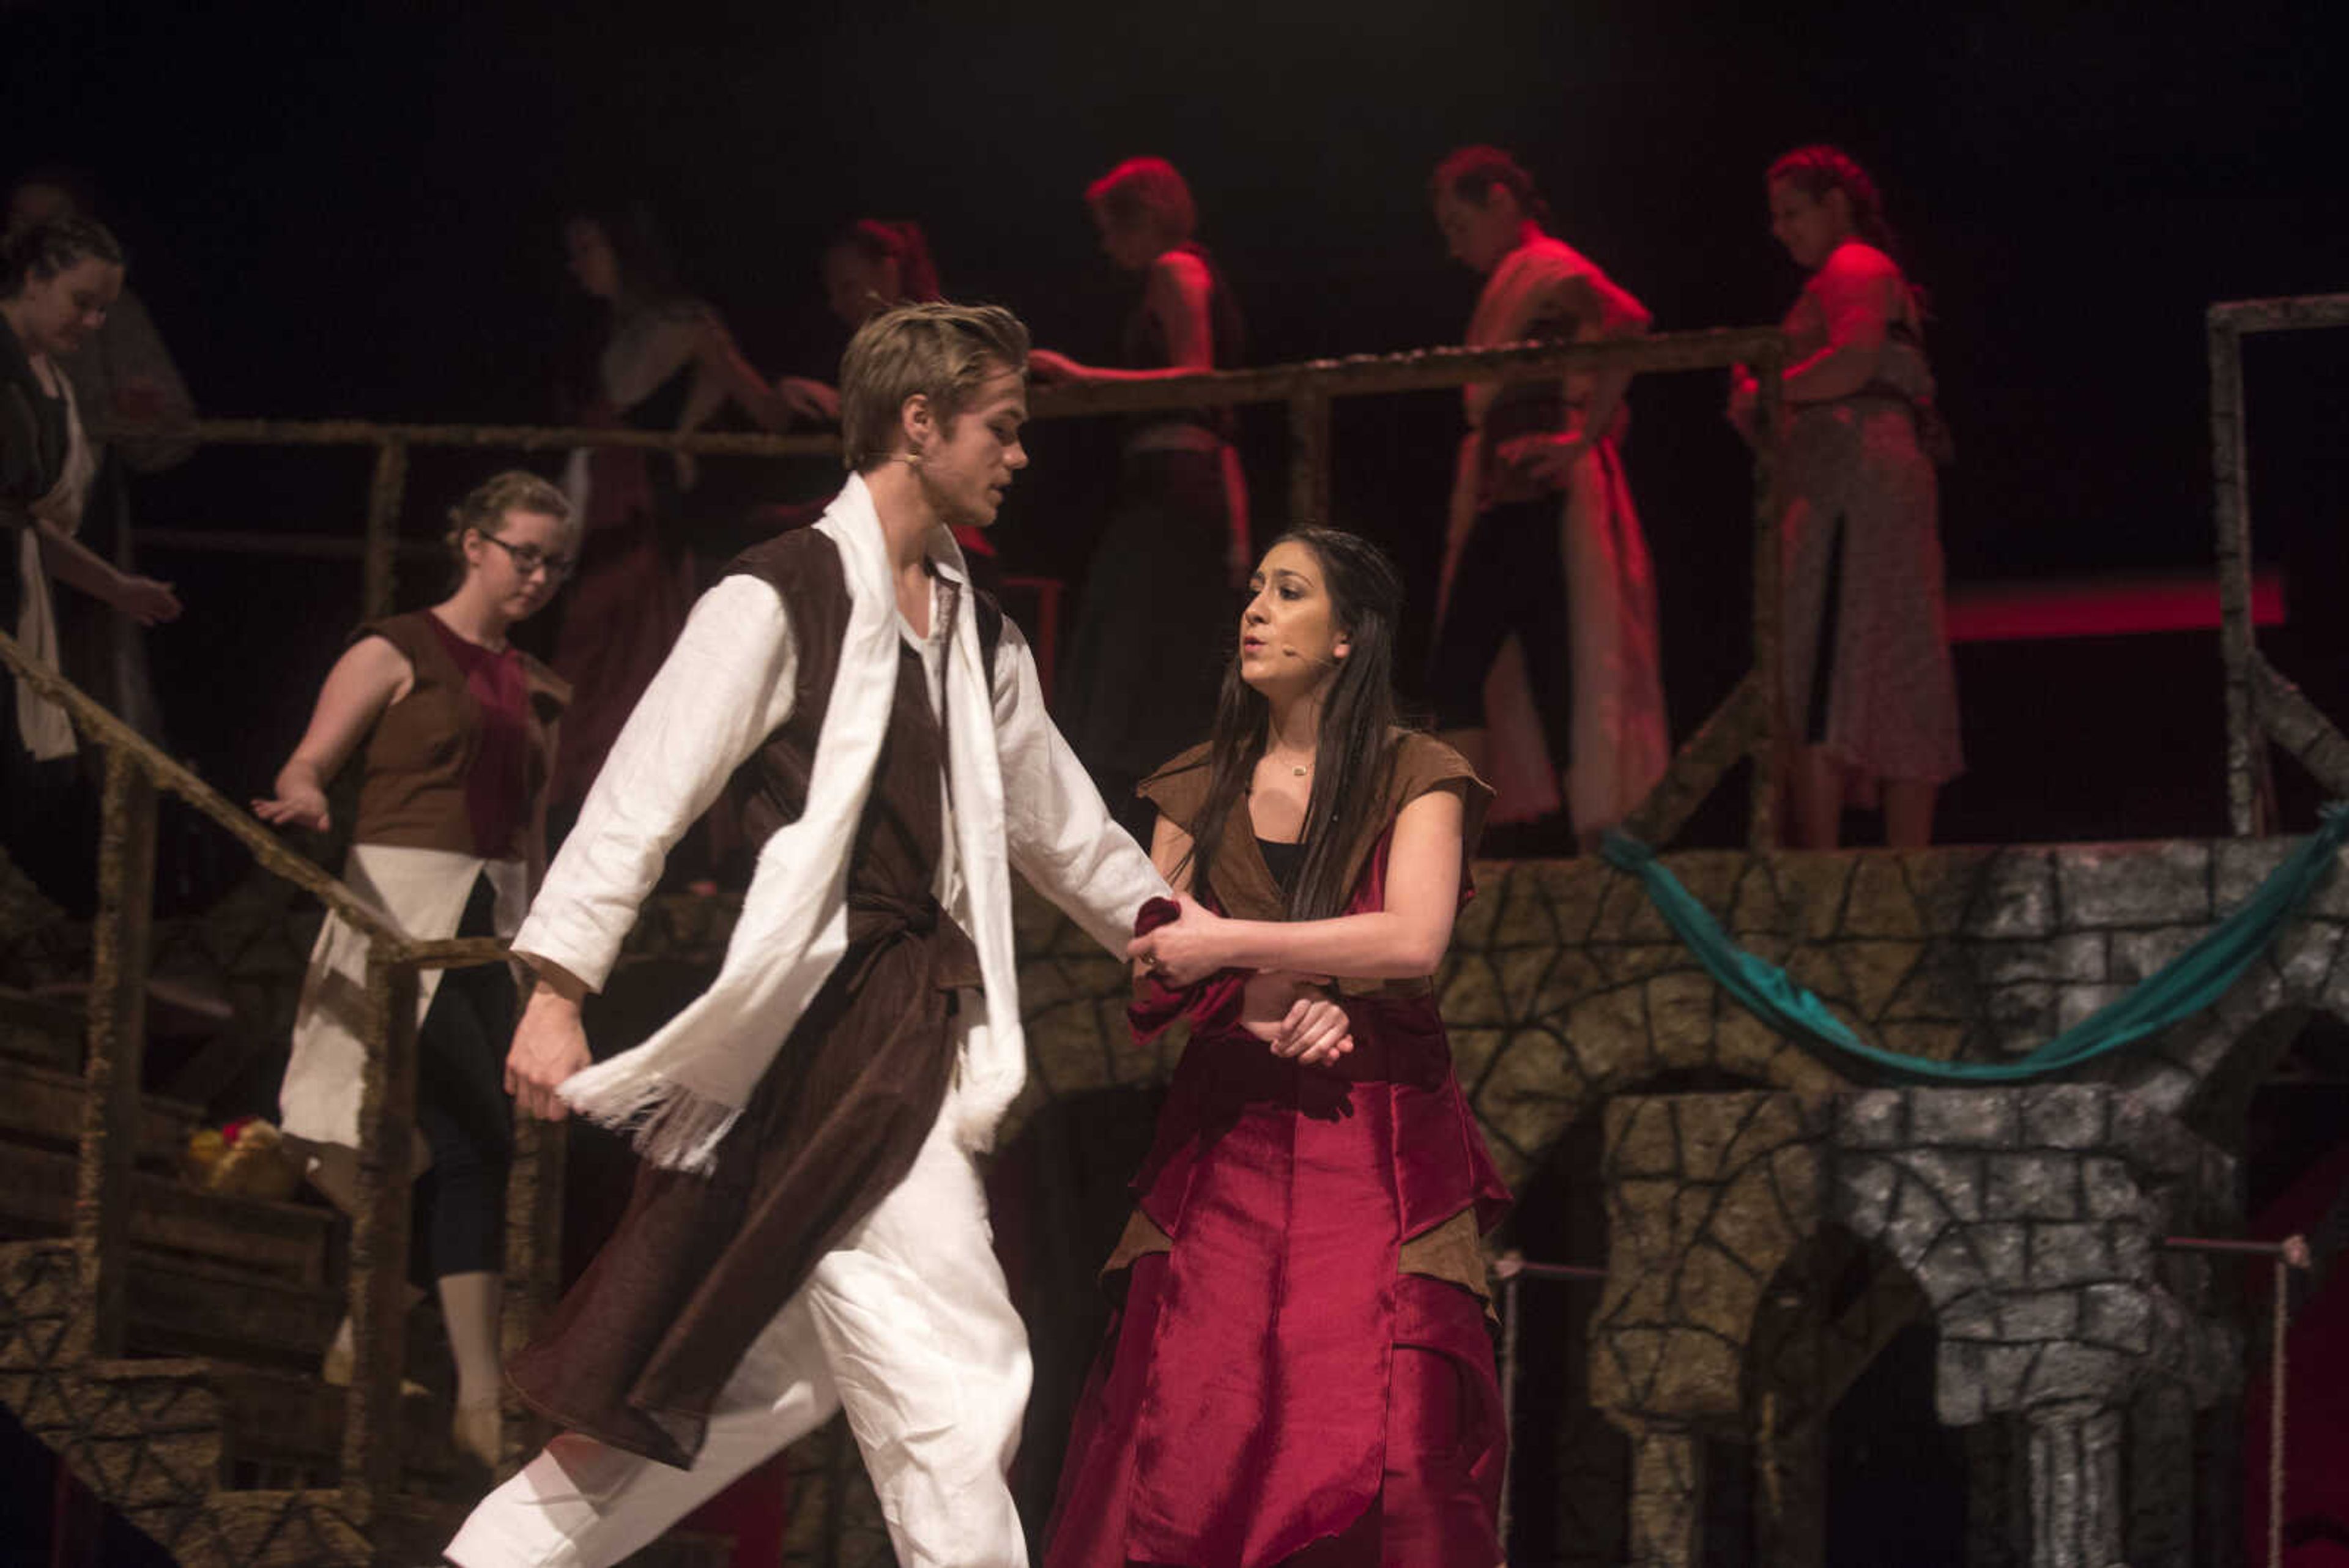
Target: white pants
[{"x": 906, "y": 1326}]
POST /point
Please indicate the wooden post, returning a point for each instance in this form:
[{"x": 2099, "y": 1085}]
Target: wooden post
[
  {"x": 118, "y": 1049},
  {"x": 1308, "y": 459},
  {"x": 378, "y": 1278},
  {"x": 534, "y": 1274},
  {"x": 2230, "y": 506},
  {"x": 1769, "y": 415},
  {"x": 384, "y": 493}
]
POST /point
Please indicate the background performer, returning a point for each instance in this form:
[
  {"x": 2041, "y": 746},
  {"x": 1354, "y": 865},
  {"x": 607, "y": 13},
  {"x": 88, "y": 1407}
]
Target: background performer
[
  {"x": 455, "y": 730},
  {"x": 1156, "y": 600},
  {"x": 1543, "y": 543},
  {"x": 1869, "y": 685}
]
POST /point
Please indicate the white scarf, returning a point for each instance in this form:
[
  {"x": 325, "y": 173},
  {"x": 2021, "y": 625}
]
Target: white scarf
[{"x": 681, "y": 1090}]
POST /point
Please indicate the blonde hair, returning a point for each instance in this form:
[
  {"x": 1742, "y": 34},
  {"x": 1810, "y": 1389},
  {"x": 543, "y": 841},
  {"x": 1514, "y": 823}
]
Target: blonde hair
[
  {"x": 933, "y": 349},
  {"x": 516, "y": 489}
]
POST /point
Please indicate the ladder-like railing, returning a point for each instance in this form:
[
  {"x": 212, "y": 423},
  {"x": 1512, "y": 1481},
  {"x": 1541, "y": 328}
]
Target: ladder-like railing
[
  {"x": 1744, "y": 725},
  {"x": 137, "y": 774}
]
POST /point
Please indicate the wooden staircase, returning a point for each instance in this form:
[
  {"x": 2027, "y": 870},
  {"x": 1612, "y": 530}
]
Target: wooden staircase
[{"x": 212, "y": 1433}]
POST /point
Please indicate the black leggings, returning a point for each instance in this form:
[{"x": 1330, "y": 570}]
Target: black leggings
[
  {"x": 1510, "y": 579},
  {"x": 461, "y": 1108}
]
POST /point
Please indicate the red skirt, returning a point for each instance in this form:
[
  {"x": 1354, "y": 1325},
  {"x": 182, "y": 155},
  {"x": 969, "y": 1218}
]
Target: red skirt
[{"x": 1440, "y": 1493}]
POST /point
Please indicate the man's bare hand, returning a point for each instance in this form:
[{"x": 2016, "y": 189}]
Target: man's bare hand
[{"x": 549, "y": 1045}]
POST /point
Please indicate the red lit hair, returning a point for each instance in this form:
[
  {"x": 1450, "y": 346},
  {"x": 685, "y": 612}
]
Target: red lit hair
[
  {"x": 877, "y": 239},
  {"x": 1818, "y": 168},
  {"x": 1146, "y": 192},
  {"x": 1473, "y": 173}
]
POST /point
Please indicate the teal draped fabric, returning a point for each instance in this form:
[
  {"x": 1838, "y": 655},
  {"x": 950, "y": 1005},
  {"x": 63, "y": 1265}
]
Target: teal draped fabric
[{"x": 2180, "y": 989}]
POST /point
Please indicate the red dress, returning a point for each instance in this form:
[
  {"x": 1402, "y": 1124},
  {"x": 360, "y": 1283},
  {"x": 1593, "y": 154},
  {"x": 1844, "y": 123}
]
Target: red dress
[{"x": 1278, "y": 1389}]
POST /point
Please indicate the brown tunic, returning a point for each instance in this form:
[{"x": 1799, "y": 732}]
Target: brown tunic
[
  {"x": 700, "y": 1265},
  {"x": 421, "y": 750}
]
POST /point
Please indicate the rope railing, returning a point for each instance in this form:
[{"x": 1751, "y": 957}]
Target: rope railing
[{"x": 136, "y": 769}]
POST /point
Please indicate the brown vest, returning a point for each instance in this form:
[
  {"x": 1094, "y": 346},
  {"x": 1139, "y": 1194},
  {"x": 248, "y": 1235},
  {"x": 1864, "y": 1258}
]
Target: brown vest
[
  {"x": 771, "y": 789},
  {"x": 412, "y": 793}
]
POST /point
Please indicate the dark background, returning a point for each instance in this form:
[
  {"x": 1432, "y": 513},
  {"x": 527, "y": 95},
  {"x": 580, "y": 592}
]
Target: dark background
[{"x": 354, "y": 210}]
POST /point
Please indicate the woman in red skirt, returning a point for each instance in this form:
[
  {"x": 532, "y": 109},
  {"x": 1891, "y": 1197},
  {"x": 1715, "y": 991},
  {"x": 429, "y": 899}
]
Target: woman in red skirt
[{"x": 1300, "y": 1372}]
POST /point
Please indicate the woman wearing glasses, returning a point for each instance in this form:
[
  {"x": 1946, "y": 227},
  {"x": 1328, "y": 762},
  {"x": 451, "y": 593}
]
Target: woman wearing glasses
[{"x": 454, "y": 730}]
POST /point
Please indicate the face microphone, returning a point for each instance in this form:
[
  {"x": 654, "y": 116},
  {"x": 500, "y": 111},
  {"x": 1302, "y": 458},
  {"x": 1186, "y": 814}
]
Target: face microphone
[{"x": 1295, "y": 653}]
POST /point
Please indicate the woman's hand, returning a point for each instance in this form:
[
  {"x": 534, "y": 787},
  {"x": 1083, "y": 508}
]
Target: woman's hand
[
  {"x": 145, "y": 600},
  {"x": 303, "y": 805},
  {"x": 1286, "y": 1010},
  {"x": 1051, "y": 368},
  {"x": 1186, "y": 950},
  {"x": 809, "y": 399}
]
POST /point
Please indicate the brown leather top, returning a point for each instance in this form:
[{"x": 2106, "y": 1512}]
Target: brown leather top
[
  {"x": 412, "y": 793},
  {"x": 1245, "y": 885}
]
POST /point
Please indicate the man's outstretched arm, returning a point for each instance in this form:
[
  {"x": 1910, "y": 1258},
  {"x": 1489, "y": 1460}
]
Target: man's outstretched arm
[{"x": 1061, "y": 838}]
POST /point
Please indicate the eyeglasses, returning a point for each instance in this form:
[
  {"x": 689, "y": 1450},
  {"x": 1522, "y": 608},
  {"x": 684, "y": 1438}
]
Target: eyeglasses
[{"x": 528, "y": 558}]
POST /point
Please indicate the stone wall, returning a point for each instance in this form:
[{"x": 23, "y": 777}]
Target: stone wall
[{"x": 2024, "y": 1223}]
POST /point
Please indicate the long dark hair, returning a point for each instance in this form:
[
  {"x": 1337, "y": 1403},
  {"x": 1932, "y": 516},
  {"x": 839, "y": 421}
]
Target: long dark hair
[
  {"x": 640, "y": 252},
  {"x": 1357, "y": 736}
]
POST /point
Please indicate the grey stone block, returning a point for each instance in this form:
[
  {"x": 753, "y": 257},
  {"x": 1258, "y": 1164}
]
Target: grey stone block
[
  {"x": 1973, "y": 1315},
  {"x": 1872, "y": 1118},
  {"x": 2118, "y": 1316},
  {"x": 1968, "y": 1118},
  {"x": 2031, "y": 1187},
  {"x": 2040, "y": 1315},
  {"x": 2064, "y": 1115},
  {"x": 2068, "y": 1372},
  {"x": 2238, "y": 866},
  {"x": 2017, "y": 896},
  {"x": 2111, "y": 1192},
  {"x": 1918, "y": 1216},
  {"x": 2076, "y": 957},
  {"x": 2069, "y": 1254},
  {"x": 2137, "y": 954},
  {"x": 1972, "y": 1258},
  {"x": 2004, "y": 1368},
  {"x": 2076, "y": 1004},
  {"x": 1863, "y": 1193},
  {"x": 2157, "y": 884},
  {"x": 2304, "y": 955},
  {"x": 1960, "y": 1383},
  {"x": 1955, "y": 1176},
  {"x": 2023, "y": 1015}
]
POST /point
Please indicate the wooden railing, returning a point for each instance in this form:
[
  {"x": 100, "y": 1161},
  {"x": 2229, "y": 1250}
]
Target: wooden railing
[
  {"x": 2261, "y": 704},
  {"x": 136, "y": 772},
  {"x": 1745, "y": 725}
]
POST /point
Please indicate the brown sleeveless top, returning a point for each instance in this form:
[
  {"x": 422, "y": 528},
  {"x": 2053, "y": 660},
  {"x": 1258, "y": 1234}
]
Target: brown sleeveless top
[{"x": 422, "y": 753}]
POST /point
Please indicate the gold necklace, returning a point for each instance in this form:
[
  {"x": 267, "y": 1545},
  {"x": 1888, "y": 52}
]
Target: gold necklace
[{"x": 1296, "y": 769}]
